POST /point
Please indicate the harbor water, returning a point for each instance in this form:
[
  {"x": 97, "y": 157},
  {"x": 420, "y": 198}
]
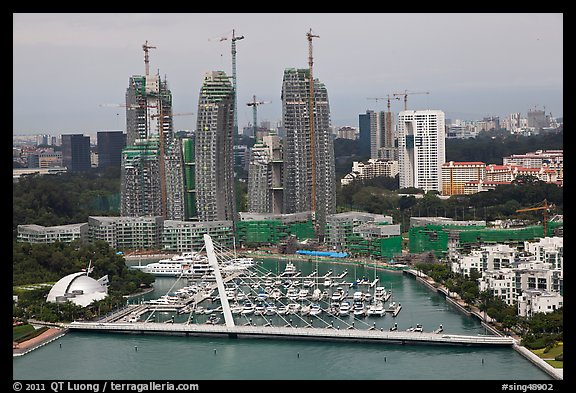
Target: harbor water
[{"x": 114, "y": 356}]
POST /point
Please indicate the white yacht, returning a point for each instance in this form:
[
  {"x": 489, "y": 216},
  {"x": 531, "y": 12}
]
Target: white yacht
[
  {"x": 376, "y": 308},
  {"x": 187, "y": 264},
  {"x": 289, "y": 270},
  {"x": 345, "y": 308},
  {"x": 359, "y": 309},
  {"x": 315, "y": 309}
]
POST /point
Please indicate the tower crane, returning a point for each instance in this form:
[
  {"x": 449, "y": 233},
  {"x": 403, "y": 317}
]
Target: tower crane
[
  {"x": 405, "y": 95},
  {"x": 545, "y": 209},
  {"x": 145, "y": 47},
  {"x": 389, "y": 117},
  {"x": 309, "y": 37},
  {"x": 254, "y": 104},
  {"x": 233, "y": 39}
]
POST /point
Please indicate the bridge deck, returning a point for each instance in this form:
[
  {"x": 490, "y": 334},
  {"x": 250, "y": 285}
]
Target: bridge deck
[{"x": 373, "y": 335}]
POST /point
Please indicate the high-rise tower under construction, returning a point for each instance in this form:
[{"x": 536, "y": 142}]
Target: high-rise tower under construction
[
  {"x": 215, "y": 188},
  {"x": 152, "y": 160},
  {"x": 309, "y": 179}
]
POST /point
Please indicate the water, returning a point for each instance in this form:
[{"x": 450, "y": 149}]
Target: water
[{"x": 97, "y": 356}]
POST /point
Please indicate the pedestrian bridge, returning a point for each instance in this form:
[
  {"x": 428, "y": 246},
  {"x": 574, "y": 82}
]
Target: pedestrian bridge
[{"x": 294, "y": 333}]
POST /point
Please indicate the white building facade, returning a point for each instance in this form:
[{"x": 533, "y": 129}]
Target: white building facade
[{"x": 421, "y": 149}]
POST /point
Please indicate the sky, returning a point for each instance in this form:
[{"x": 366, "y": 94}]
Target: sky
[{"x": 70, "y": 70}]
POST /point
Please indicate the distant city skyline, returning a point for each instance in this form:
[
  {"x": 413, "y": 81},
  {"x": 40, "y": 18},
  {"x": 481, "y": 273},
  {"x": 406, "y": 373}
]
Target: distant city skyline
[{"x": 474, "y": 65}]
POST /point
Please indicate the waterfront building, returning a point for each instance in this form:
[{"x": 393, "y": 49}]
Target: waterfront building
[
  {"x": 534, "y": 301},
  {"x": 76, "y": 152},
  {"x": 33, "y": 233},
  {"x": 215, "y": 187},
  {"x": 309, "y": 168},
  {"x": 79, "y": 289},
  {"x": 421, "y": 149},
  {"x": 272, "y": 228},
  {"x": 185, "y": 236}
]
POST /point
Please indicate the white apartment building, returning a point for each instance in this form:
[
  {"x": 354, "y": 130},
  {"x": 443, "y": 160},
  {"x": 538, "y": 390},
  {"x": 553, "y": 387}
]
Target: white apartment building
[
  {"x": 421, "y": 149},
  {"x": 535, "y": 301},
  {"x": 370, "y": 169}
]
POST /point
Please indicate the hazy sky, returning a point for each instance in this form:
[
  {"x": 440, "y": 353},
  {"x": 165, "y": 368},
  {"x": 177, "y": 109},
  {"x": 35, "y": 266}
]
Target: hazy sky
[{"x": 65, "y": 66}]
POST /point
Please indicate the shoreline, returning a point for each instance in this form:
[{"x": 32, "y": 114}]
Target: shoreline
[
  {"x": 53, "y": 333},
  {"x": 556, "y": 373}
]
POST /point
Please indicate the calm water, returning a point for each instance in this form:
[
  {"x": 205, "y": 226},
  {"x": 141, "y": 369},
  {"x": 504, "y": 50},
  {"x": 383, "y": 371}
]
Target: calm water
[{"x": 97, "y": 356}]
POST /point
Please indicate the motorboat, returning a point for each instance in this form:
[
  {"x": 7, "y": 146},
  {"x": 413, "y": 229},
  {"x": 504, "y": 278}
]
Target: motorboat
[
  {"x": 290, "y": 269},
  {"x": 376, "y": 309},
  {"x": 315, "y": 309},
  {"x": 248, "y": 308},
  {"x": 345, "y": 308},
  {"x": 359, "y": 309}
]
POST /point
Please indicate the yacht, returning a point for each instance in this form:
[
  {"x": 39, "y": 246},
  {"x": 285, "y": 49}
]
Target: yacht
[
  {"x": 247, "y": 308},
  {"x": 186, "y": 264},
  {"x": 394, "y": 308},
  {"x": 344, "y": 309},
  {"x": 380, "y": 293},
  {"x": 315, "y": 309},
  {"x": 359, "y": 309},
  {"x": 376, "y": 309},
  {"x": 290, "y": 270}
]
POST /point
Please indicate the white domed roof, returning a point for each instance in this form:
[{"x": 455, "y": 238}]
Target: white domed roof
[{"x": 78, "y": 288}]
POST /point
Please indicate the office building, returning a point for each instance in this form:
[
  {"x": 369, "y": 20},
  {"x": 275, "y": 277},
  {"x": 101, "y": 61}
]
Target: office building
[
  {"x": 110, "y": 145},
  {"x": 76, "y": 152}
]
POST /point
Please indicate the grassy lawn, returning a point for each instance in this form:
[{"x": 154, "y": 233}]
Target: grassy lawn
[
  {"x": 21, "y": 331},
  {"x": 551, "y": 354}
]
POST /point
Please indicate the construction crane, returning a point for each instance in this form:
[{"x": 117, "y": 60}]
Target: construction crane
[
  {"x": 233, "y": 38},
  {"x": 145, "y": 47},
  {"x": 309, "y": 37},
  {"x": 545, "y": 209},
  {"x": 405, "y": 95},
  {"x": 389, "y": 117},
  {"x": 254, "y": 104}
]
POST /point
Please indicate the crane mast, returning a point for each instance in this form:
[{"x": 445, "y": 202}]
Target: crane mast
[
  {"x": 309, "y": 36},
  {"x": 145, "y": 47},
  {"x": 234, "y": 39},
  {"x": 254, "y": 105}
]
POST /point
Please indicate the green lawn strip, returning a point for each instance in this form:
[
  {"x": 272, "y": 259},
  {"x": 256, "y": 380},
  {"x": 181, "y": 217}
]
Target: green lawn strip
[
  {"x": 31, "y": 334},
  {"x": 21, "y": 331}
]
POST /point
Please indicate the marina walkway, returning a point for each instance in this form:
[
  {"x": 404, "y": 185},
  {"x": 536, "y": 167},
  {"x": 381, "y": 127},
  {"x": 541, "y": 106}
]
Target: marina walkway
[{"x": 372, "y": 335}]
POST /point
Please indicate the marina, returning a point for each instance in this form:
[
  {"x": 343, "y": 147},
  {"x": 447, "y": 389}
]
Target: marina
[{"x": 240, "y": 304}]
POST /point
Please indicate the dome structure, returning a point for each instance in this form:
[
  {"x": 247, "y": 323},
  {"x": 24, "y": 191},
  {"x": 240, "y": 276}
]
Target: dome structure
[{"x": 78, "y": 288}]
